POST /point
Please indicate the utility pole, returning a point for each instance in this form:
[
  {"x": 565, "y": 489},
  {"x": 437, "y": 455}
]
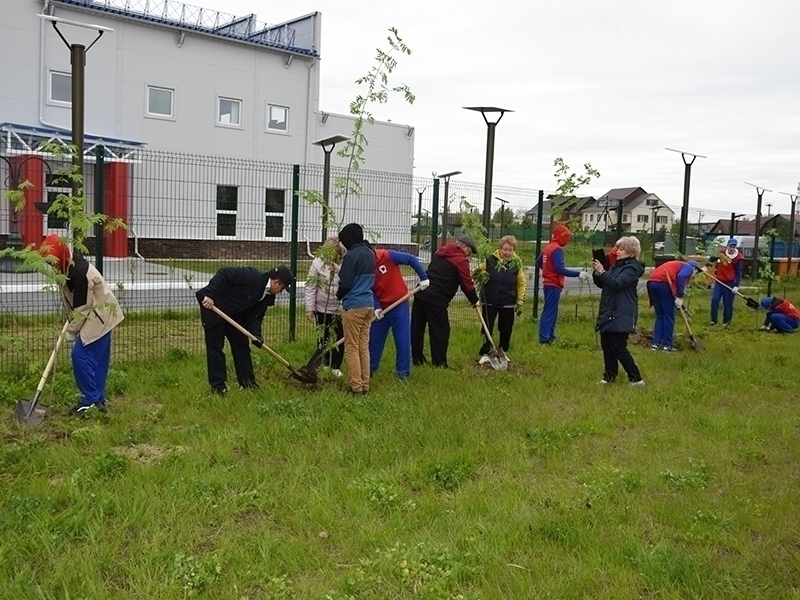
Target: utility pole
[
  {"x": 687, "y": 176},
  {"x": 502, "y": 213},
  {"x": 792, "y": 214},
  {"x": 655, "y": 210},
  {"x": 769, "y": 209},
  {"x": 760, "y": 191}
]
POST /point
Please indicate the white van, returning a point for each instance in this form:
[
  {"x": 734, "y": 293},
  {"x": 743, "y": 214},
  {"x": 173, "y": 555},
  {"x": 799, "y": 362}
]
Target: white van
[{"x": 745, "y": 245}]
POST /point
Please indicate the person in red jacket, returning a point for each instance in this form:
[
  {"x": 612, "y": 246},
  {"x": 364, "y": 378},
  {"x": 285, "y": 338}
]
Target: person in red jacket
[
  {"x": 666, "y": 287},
  {"x": 729, "y": 269},
  {"x": 782, "y": 315},
  {"x": 449, "y": 270},
  {"x": 554, "y": 274}
]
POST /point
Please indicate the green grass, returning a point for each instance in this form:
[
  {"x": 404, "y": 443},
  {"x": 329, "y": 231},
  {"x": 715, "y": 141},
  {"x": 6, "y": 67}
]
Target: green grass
[{"x": 467, "y": 483}]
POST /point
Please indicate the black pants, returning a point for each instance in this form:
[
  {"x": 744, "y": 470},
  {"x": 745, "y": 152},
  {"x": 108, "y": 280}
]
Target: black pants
[
  {"x": 427, "y": 315},
  {"x": 505, "y": 323},
  {"x": 615, "y": 349},
  {"x": 331, "y": 326},
  {"x": 215, "y": 336}
]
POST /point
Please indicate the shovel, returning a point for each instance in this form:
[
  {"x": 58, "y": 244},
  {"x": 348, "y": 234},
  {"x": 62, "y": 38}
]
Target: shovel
[
  {"x": 497, "y": 358},
  {"x": 749, "y": 301},
  {"x": 302, "y": 374},
  {"x": 28, "y": 412},
  {"x": 695, "y": 342},
  {"x": 315, "y": 362}
]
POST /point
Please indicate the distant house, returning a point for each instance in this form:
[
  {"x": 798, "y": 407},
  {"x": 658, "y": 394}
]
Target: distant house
[
  {"x": 641, "y": 211},
  {"x": 571, "y": 208},
  {"x": 776, "y": 221}
]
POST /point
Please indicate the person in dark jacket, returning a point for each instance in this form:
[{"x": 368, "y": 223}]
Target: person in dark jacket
[
  {"x": 619, "y": 309},
  {"x": 242, "y": 293},
  {"x": 503, "y": 292},
  {"x": 356, "y": 280},
  {"x": 449, "y": 270}
]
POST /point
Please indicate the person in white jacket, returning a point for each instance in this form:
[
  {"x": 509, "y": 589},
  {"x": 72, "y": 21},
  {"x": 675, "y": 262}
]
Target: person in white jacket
[{"x": 322, "y": 306}]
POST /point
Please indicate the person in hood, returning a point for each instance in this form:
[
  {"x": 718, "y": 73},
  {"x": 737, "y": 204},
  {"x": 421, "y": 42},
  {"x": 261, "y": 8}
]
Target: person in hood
[
  {"x": 322, "y": 306},
  {"x": 503, "y": 292},
  {"x": 244, "y": 294},
  {"x": 389, "y": 288},
  {"x": 782, "y": 316},
  {"x": 448, "y": 270},
  {"x": 729, "y": 270},
  {"x": 93, "y": 313},
  {"x": 356, "y": 279},
  {"x": 666, "y": 287},
  {"x": 554, "y": 274},
  {"x": 619, "y": 309}
]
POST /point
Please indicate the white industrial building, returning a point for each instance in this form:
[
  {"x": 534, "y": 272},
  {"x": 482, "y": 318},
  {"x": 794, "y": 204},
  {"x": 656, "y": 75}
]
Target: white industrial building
[{"x": 202, "y": 115}]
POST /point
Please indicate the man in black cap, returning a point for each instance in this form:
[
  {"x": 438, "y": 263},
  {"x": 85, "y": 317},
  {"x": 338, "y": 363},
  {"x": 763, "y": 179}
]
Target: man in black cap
[
  {"x": 448, "y": 270},
  {"x": 242, "y": 293}
]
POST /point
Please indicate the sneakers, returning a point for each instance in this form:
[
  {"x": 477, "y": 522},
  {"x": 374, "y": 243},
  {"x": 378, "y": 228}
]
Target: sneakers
[
  {"x": 603, "y": 381},
  {"x": 669, "y": 349},
  {"x": 639, "y": 383},
  {"x": 220, "y": 391},
  {"x": 712, "y": 324},
  {"x": 83, "y": 410},
  {"x": 336, "y": 373},
  {"x": 483, "y": 360},
  {"x": 765, "y": 328},
  {"x": 654, "y": 346}
]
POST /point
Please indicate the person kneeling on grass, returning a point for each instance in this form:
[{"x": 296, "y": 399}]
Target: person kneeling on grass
[
  {"x": 389, "y": 288},
  {"x": 619, "y": 309},
  {"x": 94, "y": 312},
  {"x": 782, "y": 316},
  {"x": 242, "y": 293},
  {"x": 356, "y": 278}
]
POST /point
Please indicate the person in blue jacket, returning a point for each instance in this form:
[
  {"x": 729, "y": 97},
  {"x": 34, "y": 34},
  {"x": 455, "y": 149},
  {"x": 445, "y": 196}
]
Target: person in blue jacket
[{"x": 356, "y": 279}]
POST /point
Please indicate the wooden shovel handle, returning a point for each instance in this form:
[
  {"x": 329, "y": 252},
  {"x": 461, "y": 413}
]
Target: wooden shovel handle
[{"x": 251, "y": 337}]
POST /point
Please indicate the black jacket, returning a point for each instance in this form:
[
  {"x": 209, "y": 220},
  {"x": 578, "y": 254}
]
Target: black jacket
[
  {"x": 501, "y": 289},
  {"x": 239, "y": 293},
  {"x": 449, "y": 270},
  {"x": 619, "y": 300}
]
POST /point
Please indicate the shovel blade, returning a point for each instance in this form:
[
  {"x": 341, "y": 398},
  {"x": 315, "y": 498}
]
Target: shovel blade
[
  {"x": 751, "y": 303},
  {"x": 498, "y": 360},
  {"x": 315, "y": 362},
  {"x": 304, "y": 375},
  {"x": 27, "y": 413}
]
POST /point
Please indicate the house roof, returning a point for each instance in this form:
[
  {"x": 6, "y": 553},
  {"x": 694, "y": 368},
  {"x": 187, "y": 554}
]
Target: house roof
[
  {"x": 548, "y": 204},
  {"x": 614, "y": 195}
]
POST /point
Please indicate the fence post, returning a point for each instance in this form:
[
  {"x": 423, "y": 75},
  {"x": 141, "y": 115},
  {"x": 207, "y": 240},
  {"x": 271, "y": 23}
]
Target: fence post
[
  {"x": 293, "y": 255},
  {"x": 536, "y": 255},
  {"x": 435, "y": 217},
  {"x": 771, "y": 264},
  {"x": 99, "y": 205}
]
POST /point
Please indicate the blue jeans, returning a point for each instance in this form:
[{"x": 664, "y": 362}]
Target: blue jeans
[
  {"x": 90, "y": 367},
  {"x": 781, "y": 322},
  {"x": 664, "y": 305},
  {"x": 722, "y": 293},
  {"x": 399, "y": 321},
  {"x": 547, "y": 322}
]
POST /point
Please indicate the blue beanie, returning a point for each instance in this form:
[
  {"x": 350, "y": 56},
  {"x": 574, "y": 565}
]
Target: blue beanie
[
  {"x": 733, "y": 242},
  {"x": 766, "y": 302},
  {"x": 695, "y": 265}
]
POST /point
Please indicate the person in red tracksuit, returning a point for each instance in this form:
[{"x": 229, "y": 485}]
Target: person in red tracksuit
[
  {"x": 666, "y": 287},
  {"x": 551, "y": 262},
  {"x": 729, "y": 270},
  {"x": 782, "y": 315},
  {"x": 449, "y": 270}
]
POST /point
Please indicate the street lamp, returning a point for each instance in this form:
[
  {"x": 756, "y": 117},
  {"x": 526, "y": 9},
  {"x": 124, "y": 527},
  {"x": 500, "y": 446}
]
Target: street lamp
[
  {"x": 760, "y": 191},
  {"x": 502, "y": 213},
  {"x": 446, "y": 178},
  {"x": 327, "y": 144},
  {"x": 790, "y": 255},
  {"x": 654, "y": 210},
  {"x": 419, "y": 213},
  {"x": 687, "y": 175},
  {"x": 487, "y": 182}
]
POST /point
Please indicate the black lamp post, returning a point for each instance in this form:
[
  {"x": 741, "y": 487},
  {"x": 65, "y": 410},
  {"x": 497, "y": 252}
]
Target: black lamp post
[
  {"x": 760, "y": 191},
  {"x": 327, "y": 144},
  {"x": 502, "y": 213},
  {"x": 419, "y": 214},
  {"x": 445, "y": 204},
  {"x": 487, "y": 183},
  {"x": 792, "y": 214},
  {"x": 687, "y": 176}
]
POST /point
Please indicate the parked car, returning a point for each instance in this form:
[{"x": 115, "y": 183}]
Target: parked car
[{"x": 658, "y": 246}]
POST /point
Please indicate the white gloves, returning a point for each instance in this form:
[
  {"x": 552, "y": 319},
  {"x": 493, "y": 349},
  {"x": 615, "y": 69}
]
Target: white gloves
[
  {"x": 424, "y": 283},
  {"x": 735, "y": 289},
  {"x": 70, "y": 337},
  {"x": 678, "y": 302},
  {"x": 584, "y": 276},
  {"x": 378, "y": 314}
]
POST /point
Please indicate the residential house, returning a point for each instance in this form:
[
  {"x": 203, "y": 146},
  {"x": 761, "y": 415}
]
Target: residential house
[
  {"x": 572, "y": 209},
  {"x": 779, "y": 222},
  {"x": 641, "y": 211}
]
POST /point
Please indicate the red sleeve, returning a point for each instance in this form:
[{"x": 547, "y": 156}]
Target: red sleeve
[{"x": 465, "y": 279}]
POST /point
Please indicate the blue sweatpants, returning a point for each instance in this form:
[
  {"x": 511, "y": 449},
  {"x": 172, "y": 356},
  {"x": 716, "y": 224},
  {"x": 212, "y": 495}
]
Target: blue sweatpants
[
  {"x": 90, "y": 367},
  {"x": 547, "y": 322},
  {"x": 664, "y": 305},
  {"x": 722, "y": 293},
  {"x": 399, "y": 321},
  {"x": 781, "y": 322}
]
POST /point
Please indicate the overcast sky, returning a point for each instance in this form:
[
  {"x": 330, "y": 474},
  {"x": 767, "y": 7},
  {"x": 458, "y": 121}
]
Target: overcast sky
[{"x": 610, "y": 82}]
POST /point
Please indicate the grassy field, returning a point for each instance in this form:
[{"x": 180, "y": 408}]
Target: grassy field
[{"x": 465, "y": 483}]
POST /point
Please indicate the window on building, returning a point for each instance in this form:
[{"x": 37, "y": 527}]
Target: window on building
[
  {"x": 591, "y": 218},
  {"x": 227, "y": 206},
  {"x": 60, "y": 87},
  {"x": 662, "y": 220},
  {"x": 160, "y": 101},
  {"x": 652, "y": 202},
  {"x": 55, "y": 185},
  {"x": 625, "y": 218},
  {"x": 274, "y": 207},
  {"x": 642, "y": 218},
  {"x": 277, "y": 118},
  {"x": 229, "y": 112}
]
